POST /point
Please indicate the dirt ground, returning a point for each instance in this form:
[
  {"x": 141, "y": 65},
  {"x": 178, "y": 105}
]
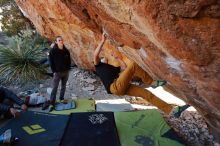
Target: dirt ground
[{"x": 81, "y": 84}]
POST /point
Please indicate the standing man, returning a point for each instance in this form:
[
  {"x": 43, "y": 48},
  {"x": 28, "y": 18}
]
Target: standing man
[
  {"x": 7, "y": 99},
  {"x": 59, "y": 58},
  {"x": 118, "y": 82}
]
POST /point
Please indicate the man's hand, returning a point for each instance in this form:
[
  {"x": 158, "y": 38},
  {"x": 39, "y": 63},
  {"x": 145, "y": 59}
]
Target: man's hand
[
  {"x": 14, "y": 112},
  {"x": 24, "y": 107},
  {"x": 119, "y": 59},
  {"x": 104, "y": 36}
]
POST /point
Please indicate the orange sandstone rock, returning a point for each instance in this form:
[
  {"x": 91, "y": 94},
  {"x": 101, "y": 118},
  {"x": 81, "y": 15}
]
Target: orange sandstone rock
[{"x": 178, "y": 41}]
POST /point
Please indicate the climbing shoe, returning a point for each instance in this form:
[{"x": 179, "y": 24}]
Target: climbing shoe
[
  {"x": 45, "y": 105},
  {"x": 177, "y": 111},
  {"x": 64, "y": 101},
  {"x": 51, "y": 108},
  {"x": 159, "y": 83}
]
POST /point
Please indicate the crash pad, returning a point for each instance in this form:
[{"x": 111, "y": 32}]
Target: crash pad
[
  {"x": 145, "y": 128},
  {"x": 81, "y": 105},
  {"x": 91, "y": 129},
  {"x": 37, "y": 129}
]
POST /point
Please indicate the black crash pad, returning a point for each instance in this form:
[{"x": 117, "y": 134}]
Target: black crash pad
[
  {"x": 91, "y": 129},
  {"x": 37, "y": 129}
]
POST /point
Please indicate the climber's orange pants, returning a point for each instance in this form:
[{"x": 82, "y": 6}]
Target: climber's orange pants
[{"x": 122, "y": 86}]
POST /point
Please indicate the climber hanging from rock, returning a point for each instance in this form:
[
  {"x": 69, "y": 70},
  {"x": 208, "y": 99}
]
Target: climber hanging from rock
[{"x": 117, "y": 80}]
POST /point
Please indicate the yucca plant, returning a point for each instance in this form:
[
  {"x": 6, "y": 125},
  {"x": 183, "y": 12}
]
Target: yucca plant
[{"x": 19, "y": 61}]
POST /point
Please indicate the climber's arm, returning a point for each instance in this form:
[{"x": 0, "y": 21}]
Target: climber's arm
[{"x": 96, "y": 58}]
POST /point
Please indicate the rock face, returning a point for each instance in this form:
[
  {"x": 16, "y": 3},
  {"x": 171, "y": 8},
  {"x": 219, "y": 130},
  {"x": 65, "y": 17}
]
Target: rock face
[{"x": 178, "y": 41}]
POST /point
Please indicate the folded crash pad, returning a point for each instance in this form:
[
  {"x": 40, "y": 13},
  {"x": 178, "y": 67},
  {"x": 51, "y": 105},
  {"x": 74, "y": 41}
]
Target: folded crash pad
[
  {"x": 145, "y": 128},
  {"x": 37, "y": 129},
  {"x": 113, "y": 105},
  {"x": 91, "y": 129},
  {"x": 81, "y": 105}
]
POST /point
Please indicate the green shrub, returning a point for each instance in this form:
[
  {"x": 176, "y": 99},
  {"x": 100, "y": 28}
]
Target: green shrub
[{"x": 19, "y": 60}]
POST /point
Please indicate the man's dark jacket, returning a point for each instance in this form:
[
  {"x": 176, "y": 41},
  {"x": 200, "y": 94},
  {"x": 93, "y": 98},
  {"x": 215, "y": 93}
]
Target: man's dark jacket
[
  {"x": 59, "y": 59},
  {"x": 7, "y": 94}
]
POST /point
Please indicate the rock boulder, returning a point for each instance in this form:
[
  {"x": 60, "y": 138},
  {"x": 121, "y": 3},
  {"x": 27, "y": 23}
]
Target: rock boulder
[{"x": 178, "y": 41}]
